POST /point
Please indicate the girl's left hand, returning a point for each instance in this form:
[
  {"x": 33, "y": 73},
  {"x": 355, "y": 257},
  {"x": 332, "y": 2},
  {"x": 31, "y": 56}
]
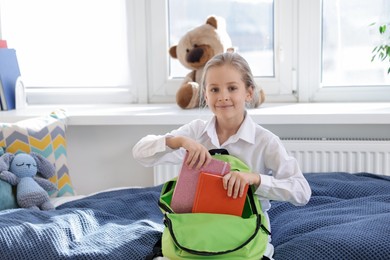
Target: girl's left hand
[{"x": 234, "y": 182}]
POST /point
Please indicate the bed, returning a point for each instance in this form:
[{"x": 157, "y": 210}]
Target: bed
[{"x": 346, "y": 218}]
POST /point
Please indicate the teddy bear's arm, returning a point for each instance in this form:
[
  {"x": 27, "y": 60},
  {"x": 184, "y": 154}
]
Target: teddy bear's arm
[
  {"x": 190, "y": 77},
  {"x": 45, "y": 184},
  {"x": 9, "y": 177}
]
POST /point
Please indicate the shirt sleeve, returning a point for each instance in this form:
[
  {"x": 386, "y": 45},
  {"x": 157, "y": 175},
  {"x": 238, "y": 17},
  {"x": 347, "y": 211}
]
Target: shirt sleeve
[
  {"x": 152, "y": 149},
  {"x": 286, "y": 181}
]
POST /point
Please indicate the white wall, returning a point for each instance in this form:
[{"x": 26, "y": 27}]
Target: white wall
[
  {"x": 100, "y": 157},
  {"x": 100, "y": 138}
]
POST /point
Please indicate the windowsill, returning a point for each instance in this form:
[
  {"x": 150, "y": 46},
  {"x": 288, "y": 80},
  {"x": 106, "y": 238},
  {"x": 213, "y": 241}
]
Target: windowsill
[{"x": 171, "y": 114}]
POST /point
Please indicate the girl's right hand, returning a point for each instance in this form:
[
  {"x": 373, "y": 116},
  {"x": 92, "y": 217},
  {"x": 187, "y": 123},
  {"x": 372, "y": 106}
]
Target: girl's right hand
[{"x": 198, "y": 155}]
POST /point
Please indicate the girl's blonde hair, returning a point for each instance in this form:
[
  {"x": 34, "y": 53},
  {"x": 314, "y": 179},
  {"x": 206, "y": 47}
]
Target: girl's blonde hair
[{"x": 240, "y": 64}]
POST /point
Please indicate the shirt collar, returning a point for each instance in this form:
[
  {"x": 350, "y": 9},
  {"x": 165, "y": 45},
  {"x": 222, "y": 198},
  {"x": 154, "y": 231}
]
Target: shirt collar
[
  {"x": 246, "y": 131},
  {"x": 210, "y": 130}
]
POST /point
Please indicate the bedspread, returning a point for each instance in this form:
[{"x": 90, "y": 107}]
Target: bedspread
[
  {"x": 122, "y": 224},
  {"x": 348, "y": 217}
]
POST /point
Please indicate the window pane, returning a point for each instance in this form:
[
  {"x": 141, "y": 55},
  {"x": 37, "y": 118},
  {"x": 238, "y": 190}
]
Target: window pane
[
  {"x": 249, "y": 25},
  {"x": 68, "y": 43},
  {"x": 348, "y": 41}
]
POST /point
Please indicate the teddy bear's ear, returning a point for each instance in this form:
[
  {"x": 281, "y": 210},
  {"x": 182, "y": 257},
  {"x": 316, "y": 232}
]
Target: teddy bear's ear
[
  {"x": 231, "y": 49},
  {"x": 5, "y": 161},
  {"x": 212, "y": 20},
  {"x": 45, "y": 167},
  {"x": 173, "y": 52}
]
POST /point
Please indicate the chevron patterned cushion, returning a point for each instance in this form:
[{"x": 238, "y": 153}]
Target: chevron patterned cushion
[{"x": 44, "y": 135}]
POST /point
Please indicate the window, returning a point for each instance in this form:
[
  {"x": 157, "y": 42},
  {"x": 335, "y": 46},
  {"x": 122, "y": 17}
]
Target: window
[
  {"x": 103, "y": 51},
  {"x": 348, "y": 43},
  {"x": 262, "y": 32},
  {"x": 251, "y": 29},
  {"x": 69, "y": 49},
  {"x": 336, "y": 50}
]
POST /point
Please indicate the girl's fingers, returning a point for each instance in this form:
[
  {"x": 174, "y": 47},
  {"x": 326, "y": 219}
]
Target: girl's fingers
[
  {"x": 198, "y": 158},
  {"x": 230, "y": 184},
  {"x": 242, "y": 189},
  {"x": 194, "y": 160},
  {"x": 234, "y": 184},
  {"x": 236, "y": 189},
  {"x": 225, "y": 180},
  {"x": 201, "y": 162},
  {"x": 207, "y": 159}
]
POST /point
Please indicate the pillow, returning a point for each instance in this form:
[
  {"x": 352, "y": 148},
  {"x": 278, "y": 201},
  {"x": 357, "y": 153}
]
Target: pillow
[
  {"x": 7, "y": 196},
  {"x": 44, "y": 135}
]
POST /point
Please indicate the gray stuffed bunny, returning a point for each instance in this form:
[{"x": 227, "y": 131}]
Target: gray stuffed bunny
[{"x": 21, "y": 170}]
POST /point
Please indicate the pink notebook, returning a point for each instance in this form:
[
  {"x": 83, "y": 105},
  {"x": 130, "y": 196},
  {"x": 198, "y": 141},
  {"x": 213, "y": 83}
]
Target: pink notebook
[{"x": 184, "y": 193}]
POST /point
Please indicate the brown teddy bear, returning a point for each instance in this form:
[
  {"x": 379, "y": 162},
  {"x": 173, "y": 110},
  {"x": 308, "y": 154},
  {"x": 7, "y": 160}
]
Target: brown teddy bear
[{"x": 193, "y": 51}]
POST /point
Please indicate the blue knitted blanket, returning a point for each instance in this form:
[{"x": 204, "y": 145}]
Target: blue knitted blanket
[
  {"x": 348, "y": 217},
  {"x": 122, "y": 224}
]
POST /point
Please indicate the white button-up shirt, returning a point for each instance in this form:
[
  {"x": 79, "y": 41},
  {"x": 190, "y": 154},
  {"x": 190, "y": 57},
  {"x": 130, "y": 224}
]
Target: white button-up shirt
[{"x": 260, "y": 149}]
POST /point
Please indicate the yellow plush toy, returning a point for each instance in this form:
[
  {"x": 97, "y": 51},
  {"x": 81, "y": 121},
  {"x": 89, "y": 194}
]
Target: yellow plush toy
[{"x": 193, "y": 51}]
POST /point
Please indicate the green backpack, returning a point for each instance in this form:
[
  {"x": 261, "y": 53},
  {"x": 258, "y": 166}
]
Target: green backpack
[{"x": 214, "y": 236}]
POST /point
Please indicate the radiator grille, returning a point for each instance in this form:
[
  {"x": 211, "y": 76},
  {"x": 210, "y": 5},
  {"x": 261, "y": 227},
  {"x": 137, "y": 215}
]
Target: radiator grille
[
  {"x": 331, "y": 155},
  {"x": 323, "y": 155},
  {"x": 165, "y": 172}
]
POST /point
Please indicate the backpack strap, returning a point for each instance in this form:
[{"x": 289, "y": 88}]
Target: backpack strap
[{"x": 218, "y": 151}]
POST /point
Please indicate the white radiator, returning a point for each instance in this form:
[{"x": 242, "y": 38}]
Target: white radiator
[
  {"x": 344, "y": 155},
  {"x": 322, "y": 155},
  {"x": 165, "y": 172}
]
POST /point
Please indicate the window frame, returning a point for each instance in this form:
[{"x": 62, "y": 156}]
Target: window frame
[
  {"x": 162, "y": 88},
  {"x": 132, "y": 93},
  {"x": 309, "y": 59},
  {"x": 297, "y": 56}
]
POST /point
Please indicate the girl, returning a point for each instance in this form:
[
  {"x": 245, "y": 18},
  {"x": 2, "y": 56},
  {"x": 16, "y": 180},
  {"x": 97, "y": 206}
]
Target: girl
[{"x": 228, "y": 88}]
